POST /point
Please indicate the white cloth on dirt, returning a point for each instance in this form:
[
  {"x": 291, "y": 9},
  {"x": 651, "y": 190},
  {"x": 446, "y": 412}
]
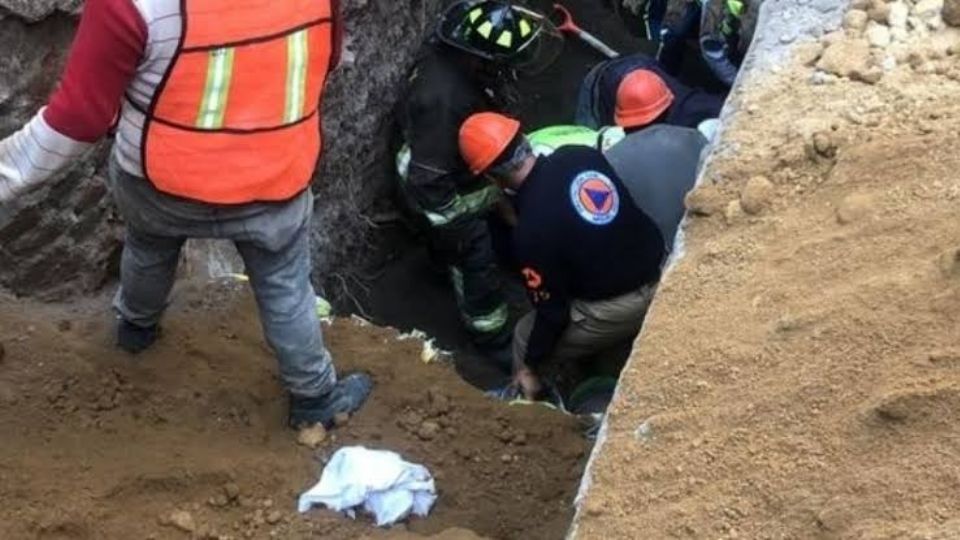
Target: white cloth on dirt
[{"x": 381, "y": 481}]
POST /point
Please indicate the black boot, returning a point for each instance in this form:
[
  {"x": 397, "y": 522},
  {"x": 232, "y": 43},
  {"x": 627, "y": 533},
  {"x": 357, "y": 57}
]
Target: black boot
[
  {"x": 347, "y": 396},
  {"x": 135, "y": 339}
]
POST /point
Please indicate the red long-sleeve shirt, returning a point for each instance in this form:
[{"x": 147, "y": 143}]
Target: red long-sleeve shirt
[{"x": 106, "y": 52}]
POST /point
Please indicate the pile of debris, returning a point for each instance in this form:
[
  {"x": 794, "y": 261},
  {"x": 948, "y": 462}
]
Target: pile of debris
[{"x": 878, "y": 36}]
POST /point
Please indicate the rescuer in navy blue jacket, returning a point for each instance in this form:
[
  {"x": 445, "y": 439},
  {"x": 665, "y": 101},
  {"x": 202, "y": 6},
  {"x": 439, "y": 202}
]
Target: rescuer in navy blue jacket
[{"x": 590, "y": 257}]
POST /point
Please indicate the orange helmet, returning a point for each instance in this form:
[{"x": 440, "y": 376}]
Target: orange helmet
[
  {"x": 641, "y": 98},
  {"x": 483, "y": 137}
]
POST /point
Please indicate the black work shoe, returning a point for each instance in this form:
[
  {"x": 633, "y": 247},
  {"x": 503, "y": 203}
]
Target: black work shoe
[
  {"x": 347, "y": 397},
  {"x": 135, "y": 339}
]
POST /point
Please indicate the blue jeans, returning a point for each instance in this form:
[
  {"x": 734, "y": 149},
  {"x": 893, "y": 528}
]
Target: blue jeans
[{"x": 272, "y": 238}]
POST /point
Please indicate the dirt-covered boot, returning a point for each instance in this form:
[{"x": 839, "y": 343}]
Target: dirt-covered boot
[
  {"x": 135, "y": 339},
  {"x": 347, "y": 396}
]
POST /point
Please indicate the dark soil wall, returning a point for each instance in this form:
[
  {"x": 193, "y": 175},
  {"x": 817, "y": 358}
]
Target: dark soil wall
[{"x": 63, "y": 239}]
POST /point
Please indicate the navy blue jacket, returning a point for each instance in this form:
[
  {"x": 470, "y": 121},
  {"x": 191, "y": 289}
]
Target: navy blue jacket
[{"x": 579, "y": 236}]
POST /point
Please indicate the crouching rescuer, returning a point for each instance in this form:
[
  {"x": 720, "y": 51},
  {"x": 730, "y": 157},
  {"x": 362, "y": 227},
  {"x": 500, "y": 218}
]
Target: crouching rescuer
[
  {"x": 467, "y": 65},
  {"x": 590, "y": 257},
  {"x": 218, "y": 137}
]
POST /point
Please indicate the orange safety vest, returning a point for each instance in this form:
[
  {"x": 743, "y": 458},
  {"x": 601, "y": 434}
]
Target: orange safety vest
[{"x": 236, "y": 118}]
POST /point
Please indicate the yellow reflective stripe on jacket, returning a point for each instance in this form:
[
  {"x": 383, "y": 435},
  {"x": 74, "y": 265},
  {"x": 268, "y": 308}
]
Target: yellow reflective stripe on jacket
[
  {"x": 491, "y": 322},
  {"x": 463, "y": 205},
  {"x": 487, "y": 323},
  {"x": 217, "y": 89},
  {"x": 298, "y": 57}
]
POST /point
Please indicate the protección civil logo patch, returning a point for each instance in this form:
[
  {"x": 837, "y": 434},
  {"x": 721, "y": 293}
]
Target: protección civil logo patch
[{"x": 595, "y": 198}]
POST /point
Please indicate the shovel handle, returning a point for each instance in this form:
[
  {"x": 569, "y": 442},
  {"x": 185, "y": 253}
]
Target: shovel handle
[
  {"x": 595, "y": 42},
  {"x": 568, "y": 25}
]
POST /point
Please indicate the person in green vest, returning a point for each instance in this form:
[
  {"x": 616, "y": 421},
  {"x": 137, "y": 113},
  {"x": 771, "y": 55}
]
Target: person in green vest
[{"x": 546, "y": 140}]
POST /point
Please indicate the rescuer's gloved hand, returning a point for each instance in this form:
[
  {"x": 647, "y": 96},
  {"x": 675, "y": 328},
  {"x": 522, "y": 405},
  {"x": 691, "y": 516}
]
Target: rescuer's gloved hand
[{"x": 529, "y": 382}]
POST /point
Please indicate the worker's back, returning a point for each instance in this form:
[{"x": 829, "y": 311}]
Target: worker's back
[
  {"x": 577, "y": 218},
  {"x": 659, "y": 166}
]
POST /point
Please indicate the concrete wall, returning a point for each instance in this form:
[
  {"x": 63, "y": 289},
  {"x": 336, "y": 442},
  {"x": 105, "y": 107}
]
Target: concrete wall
[
  {"x": 64, "y": 239},
  {"x": 782, "y": 27}
]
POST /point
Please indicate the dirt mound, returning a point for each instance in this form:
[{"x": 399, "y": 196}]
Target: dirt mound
[
  {"x": 798, "y": 376},
  {"x": 188, "y": 440}
]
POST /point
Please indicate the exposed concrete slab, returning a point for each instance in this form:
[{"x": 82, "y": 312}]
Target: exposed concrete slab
[{"x": 783, "y": 27}]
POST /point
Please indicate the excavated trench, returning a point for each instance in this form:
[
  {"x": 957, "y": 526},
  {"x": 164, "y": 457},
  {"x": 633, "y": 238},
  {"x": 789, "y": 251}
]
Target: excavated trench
[
  {"x": 811, "y": 322},
  {"x": 186, "y": 441}
]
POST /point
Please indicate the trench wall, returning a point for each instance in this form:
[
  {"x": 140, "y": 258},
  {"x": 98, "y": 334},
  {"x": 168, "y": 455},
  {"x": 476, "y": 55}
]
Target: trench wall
[
  {"x": 64, "y": 239},
  {"x": 783, "y": 27}
]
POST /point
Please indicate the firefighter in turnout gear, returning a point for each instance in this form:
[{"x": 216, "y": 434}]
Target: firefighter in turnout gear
[{"x": 465, "y": 67}]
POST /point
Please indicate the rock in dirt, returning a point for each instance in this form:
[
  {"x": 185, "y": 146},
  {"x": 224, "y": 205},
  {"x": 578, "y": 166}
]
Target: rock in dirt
[
  {"x": 927, "y": 9},
  {"x": 855, "y": 207},
  {"x": 897, "y": 16},
  {"x": 439, "y": 402},
  {"x": 823, "y": 145},
  {"x": 706, "y": 200},
  {"x": 855, "y": 20},
  {"x": 232, "y": 491},
  {"x": 878, "y": 35},
  {"x": 871, "y": 75},
  {"x": 182, "y": 520},
  {"x": 951, "y": 12},
  {"x": 341, "y": 419},
  {"x": 733, "y": 212},
  {"x": 756, "y": 195},
  {"x": 428, "y": 430},
  {"x": 274, "y": 517},
  {"x": 312, "y": 437},
  {"x": 879, "y": 11},
  {"x": 949, "y": 263},
  {"x": 845, "y": 57}
]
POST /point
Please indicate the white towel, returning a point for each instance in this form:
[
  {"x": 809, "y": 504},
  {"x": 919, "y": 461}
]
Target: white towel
[{"x": 381, "y": 481}]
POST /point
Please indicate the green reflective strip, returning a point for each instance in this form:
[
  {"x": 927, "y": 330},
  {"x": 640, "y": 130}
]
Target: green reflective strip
[
  {"x": 485, "y": 29},
  {"x": 464, "y": 205},
  {"x": 486, "y": 323},
  {"x": 735, "y": 7},
  {"x": 525, "y": 28},
  {"x": 553, "y": 137},
  {"x": 475, "y": 14},
  {"x": 506, "y": 39},
  {"x": 217, "y": 89},
  {"x": 456, "y": 276},
  {"x": 403, "y": 163},
  {"x": 491, "y": 322},
  {"x": 298, "y": 55}
]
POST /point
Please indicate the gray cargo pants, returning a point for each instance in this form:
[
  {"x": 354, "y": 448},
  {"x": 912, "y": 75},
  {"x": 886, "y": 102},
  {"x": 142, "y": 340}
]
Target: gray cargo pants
[
  {"x": 595, "y": 328},
  {"x": 273, "y": 240}
]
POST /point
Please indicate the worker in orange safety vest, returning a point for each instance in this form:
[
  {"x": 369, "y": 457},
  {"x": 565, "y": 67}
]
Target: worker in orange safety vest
[{"x": 218, "y": 137}]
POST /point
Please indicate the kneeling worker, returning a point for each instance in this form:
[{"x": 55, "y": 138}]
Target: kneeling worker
[{"x": 590, "y": 258}]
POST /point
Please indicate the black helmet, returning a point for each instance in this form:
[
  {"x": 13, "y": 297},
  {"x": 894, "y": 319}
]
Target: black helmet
[{"x": 496, "y": 31}]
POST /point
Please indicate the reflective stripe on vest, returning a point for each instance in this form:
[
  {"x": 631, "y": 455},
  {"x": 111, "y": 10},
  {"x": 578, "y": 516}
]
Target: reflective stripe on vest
[
  {"x": 214, "y": 102},
  {"x": 237, "y": 118},
  {"x": 546, "y": 140}
]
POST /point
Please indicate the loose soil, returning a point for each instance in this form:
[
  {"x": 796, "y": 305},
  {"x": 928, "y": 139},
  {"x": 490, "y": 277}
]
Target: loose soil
[
  {"x": 799, "y": 374},
  {"x": 188, "y": 439}
]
